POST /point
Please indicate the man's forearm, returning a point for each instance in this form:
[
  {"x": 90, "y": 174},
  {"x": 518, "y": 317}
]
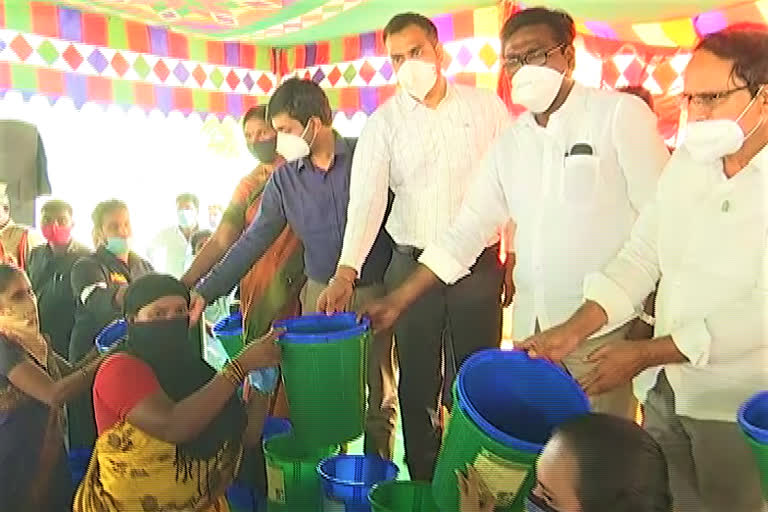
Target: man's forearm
[
  {"x": 418, "y": 283},
  {"x": 661, "y": 351},
  {"x": 587, "y": 320},
  {"x": 211, "y": 253}
]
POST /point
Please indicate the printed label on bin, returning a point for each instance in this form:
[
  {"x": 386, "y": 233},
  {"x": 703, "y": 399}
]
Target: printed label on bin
[
  {"x": 330, "y": 505},
  {"x": 276, "y": 484},
  {"x": 502, "y": 477}
]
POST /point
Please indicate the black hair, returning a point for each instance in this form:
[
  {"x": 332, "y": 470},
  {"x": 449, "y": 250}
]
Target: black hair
[
  {"x": 7, "y": 274},
  {"x": 300, "y": 100},
  {"x": 559, "y": 22},
  {"x": 199, "y": 235},
  {"x": 621, "y": 467},
  {"x": 406, "y": 19},
  {"x": 103, "y": 208},
  {"x": 257, "y": 112},
  {"x": 639, "y": 91},
  {"x": 188, "y": 198},
  {"x": 56, "y": 206},
  {"x": 746, "y": 45}
]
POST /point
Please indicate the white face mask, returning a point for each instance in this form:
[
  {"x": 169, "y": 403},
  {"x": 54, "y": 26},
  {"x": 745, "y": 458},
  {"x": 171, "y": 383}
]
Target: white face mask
[
  {"x": 536, "y": 87},
  {"x": 294, "y": 147},
  {"x": 710, "y": 140},
  {"x": 187, "y": 218},
  {"x": 417, "y": 77}
]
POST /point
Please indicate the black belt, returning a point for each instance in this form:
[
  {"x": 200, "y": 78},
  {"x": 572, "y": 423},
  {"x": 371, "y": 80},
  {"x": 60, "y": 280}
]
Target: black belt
[
  {"x": 415, "y": 253},
  {"x": 409, "y": 250}
]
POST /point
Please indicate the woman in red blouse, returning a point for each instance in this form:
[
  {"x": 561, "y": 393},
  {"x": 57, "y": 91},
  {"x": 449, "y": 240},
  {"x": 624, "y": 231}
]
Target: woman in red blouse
[{"x": 171, "y": 430}]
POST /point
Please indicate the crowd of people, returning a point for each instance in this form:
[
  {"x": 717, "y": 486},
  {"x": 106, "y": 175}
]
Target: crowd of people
[{"x": 643, "y": 274}]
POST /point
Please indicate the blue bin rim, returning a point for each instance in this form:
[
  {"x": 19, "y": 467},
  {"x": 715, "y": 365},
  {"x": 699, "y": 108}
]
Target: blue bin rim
[
  {"x": 220, "y": 326},
  {"x": 325, "y": 476},
  {"x": 118, "y": 323},
  {"x": 748, "y": 427},
  {"x": 357, "y": 328},
  {"x": 485, "y": 426}
]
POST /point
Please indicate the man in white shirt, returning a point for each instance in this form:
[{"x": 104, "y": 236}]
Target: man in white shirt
[
  {"x": 425, "y": 144},
  {"x": 705, "y": 240},
  {"x": 572, "y": 173},
  {"x": 170, "y": 252}
]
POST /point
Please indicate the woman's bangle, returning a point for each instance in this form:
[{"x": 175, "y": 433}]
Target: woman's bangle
[
  {"x": 239, "y": 369},
  {"x": 230, "y": 374}
]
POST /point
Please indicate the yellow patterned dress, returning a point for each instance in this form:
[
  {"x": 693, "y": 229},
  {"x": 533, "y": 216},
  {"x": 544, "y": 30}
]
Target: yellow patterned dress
[{"x": 131, "y": 471}]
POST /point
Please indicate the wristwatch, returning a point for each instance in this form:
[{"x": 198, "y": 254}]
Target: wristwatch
[{"x": 646, "y": 318}]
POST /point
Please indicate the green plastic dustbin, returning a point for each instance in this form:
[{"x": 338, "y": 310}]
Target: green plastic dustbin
[
  {"x": 403, "y": 497},
  {"x": 293, "y": 484},
  {"x": 505, "y": 408},
  {"x": 324, "y": 365}
]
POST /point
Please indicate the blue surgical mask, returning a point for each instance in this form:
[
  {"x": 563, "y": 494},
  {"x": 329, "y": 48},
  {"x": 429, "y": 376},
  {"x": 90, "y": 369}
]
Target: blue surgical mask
[
  {"x": 118, "y": 245},
  {"x": 535, "y": 504}
]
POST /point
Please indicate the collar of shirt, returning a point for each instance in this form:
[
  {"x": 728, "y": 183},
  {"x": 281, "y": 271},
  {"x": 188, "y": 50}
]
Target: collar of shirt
[
  {"x": 10, "y": 224},
  {"x": 412, "y": 103},
  {"x": 572, "y": 106},
  {"x": 759, "y": 162},
  {"x": 341, "y": 148},
  {"x": 72, "y": 246}
]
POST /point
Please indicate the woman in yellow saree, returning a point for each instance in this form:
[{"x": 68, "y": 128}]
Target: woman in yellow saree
[{"x": 171, "y": 430}]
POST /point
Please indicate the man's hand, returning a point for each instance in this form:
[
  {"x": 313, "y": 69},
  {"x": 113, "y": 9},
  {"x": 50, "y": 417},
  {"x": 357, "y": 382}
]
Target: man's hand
[
  {"x": 474, "y": 495},
  {"x": 383, "y": 313},
  {"x": 338, "y": 294},
  {"x": 553, "y": 344},
  {"x": 197, "y": 305},
  {"x": 615, "y": 365},
  {"x": 508, "y": 292}
]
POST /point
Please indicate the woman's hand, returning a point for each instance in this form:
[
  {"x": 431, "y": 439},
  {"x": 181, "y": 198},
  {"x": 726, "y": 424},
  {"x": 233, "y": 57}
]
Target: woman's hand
[
  {"x": 474, "y": 495},
  {"x": 261, "y": 353}
]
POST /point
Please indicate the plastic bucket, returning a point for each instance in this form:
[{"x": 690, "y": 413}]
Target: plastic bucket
[
  {"x": 242, "y": 498},
  {"x": 229, "y": 332},
  {"x": 78, "y": 460},
  {"x": 760, "y": 451},
  {"x": 111, "y": 334},
  {"x": 753, "y": 419},
  {"x": 324, "y": 370},
  {"x": 274, "y": 427},
  {"x": 505, "y": 408},
  {"x": 292, "y": 474},
  {"x": 347, "y": 480},
  {"x": 403, "y": 497}
]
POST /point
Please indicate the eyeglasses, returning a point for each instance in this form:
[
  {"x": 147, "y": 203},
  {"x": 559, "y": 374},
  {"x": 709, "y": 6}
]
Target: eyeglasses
[
  {"x": 534, "y": 58},
  {"x": 709, "y": 100}
]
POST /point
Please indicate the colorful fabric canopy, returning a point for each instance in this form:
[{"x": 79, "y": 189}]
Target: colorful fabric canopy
[
  {"x": 289, "y": 22},
  {"x": 58, "y": 51}
]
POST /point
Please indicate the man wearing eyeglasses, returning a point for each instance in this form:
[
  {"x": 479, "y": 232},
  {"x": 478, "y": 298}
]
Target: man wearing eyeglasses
[
  {"x": 705, "y": 240},
  {"x": 425, "y": 144},
  {"x": 572, "y": 173}
]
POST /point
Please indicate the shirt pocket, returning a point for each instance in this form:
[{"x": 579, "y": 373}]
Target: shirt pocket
[{"x": 580, "y": 180}]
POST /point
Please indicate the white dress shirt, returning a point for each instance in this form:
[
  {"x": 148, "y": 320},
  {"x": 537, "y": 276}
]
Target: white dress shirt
[
  {"x": 170, "y": 252},
  {"x": 706, "y": 237},
  {"x": 428, "y": 157},
  {"x": 573, "y": 213}
]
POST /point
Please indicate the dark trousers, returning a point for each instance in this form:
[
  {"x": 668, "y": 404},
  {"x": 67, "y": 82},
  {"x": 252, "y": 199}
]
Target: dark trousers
[{"x": 466, "y": 314}]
